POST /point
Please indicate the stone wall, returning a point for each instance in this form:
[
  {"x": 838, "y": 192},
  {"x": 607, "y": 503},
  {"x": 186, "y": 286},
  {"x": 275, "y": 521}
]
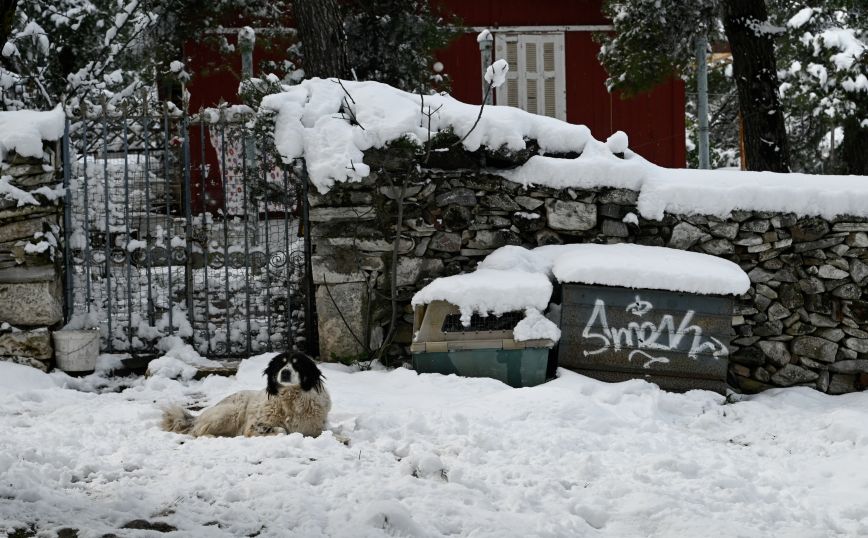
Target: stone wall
[
  {"x": 803, "y": 322},
  {"x": 31, "y": 292}
]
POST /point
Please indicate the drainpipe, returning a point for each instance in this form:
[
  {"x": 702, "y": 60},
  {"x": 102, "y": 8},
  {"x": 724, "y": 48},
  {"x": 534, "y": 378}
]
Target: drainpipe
[{"x": 702, "y": 100}]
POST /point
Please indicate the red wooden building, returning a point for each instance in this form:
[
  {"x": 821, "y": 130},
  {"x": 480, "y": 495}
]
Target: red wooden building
[{"x": 554, "y": 71}]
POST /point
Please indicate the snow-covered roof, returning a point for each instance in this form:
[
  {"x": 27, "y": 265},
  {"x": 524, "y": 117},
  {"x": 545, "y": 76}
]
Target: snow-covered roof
[
  {"x": 626, "y": 265},
  {"x": 640, "y": 266},
  {"x": 23, "y": 131},
  {"x": 489, "y": 291},
  {"x": 331, "y": 128}
]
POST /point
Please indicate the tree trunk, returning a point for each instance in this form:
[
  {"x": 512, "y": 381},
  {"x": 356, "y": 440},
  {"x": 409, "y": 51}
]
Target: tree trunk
[
  {"x": 324, "y": 44},
  {"x": 7, "y": 18},
  {"x": 854, "y": 147},
  {"x": 753, "y": 62}
]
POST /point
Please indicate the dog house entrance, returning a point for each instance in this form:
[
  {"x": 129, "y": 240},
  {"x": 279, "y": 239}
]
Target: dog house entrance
[{"x": 504, "y": 322}]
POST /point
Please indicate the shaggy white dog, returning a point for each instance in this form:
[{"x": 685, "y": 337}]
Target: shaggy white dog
[{"x": 294, "y": 400}]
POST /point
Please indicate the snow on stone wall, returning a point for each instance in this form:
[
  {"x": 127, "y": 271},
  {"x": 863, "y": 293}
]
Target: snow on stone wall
[
  {"x": 31, "y": 297},
  {"x": 331, "y": 125},
  {"x": 802, "y": 322}
]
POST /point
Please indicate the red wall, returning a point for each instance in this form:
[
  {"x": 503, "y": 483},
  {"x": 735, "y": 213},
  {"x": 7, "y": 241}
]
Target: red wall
[
  {"x": 524, "y": 13},
  {"x": 654, "y": 121}
]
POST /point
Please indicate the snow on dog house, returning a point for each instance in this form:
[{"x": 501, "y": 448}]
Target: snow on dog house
[
  {"x": 654, "y": 313},
  {"x": 487, "y": 323}
]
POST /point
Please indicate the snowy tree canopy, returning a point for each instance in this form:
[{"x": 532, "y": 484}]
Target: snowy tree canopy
[{"x": 652, "y": 40}]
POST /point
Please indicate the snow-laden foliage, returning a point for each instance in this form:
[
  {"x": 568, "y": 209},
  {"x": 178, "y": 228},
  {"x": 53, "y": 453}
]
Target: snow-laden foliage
[
  {"x": 823, "y": 68},
  {"x": 393, "y": 41},
  {"x": 652, "y": 40},
  {"x": 61, "y": 47}
]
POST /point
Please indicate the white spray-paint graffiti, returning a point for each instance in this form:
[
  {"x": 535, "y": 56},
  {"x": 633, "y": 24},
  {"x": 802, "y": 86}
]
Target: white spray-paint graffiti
[{"x": 643, "y": 338}]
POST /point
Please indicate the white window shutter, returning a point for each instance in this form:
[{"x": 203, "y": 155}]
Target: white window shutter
[{"x": 536, "y": 80}]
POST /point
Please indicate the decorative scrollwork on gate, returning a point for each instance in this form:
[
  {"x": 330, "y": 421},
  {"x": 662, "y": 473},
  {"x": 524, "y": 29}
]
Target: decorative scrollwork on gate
[
  {"x": 216, "y": 260},
  {"x": 278, "y": 260},
  {"x": 119, "y": 255},
  {"x": 179, "y": 255},
  {"x": 237, "y": 260},
  {"x": 159, "y": 256}
]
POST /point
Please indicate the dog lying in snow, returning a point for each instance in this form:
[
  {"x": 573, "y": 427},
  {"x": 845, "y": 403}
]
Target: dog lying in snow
[{"x": 294, "y": 400}]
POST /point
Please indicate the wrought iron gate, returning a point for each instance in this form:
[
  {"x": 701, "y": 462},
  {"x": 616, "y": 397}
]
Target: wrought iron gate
[{"x": 182, "y": 225}]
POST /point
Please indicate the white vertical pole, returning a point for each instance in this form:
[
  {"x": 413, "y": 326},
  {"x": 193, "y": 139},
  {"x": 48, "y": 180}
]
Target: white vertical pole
[{"x": 485, "y": 40}]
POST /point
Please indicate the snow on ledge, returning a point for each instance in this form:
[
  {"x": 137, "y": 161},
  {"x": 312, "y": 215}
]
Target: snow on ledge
[
  {"x": 332, "y": 128},
  {"x": 719, "y": 192},
  {"x": 23, "y": 131},
  {"x": 313, "y": 122},
  {"x": 488, "y": 291},
  {"x": 639, "y": 266}
]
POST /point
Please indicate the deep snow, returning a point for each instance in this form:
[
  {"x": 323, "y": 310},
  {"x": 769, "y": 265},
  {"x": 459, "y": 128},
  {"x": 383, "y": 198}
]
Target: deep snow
[{"x": 432, "y": 456}]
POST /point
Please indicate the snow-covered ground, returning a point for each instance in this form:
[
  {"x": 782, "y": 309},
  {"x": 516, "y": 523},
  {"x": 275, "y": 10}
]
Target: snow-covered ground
[{"x": 435, "y": 456}]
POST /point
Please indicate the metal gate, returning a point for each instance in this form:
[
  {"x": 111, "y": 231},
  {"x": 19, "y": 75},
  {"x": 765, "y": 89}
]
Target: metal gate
[{"x": 182, "y": 226}]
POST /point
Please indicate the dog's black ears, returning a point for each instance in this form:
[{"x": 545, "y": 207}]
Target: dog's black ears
[
  {"x": 310, "y": 376},
  {"x": 277, "y": 362}
]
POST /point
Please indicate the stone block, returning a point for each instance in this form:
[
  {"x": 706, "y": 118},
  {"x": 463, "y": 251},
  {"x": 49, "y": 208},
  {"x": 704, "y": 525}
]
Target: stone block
[
  {"x": 848, "y": 291},
  {"x": 409, "y": 270},
  {"x": 619, "y": 196},
  {"x": 831, "y": 273},
  {"x": 776, "y": 353},
  {"x": 812, "y": 285},
  {"x": 445, "y": 242},
  {"x": 792, "y": 374},
  {"x": 491, "y": 239},
  {"x": 329, "y": 214},
  {"x": 842, "y": 383},
  {"x": 815, "y": 348},
  {"x": 857, "y": 366},
  {"x": 726, "y": 230},
  {"x": 718, "y": 247},
  {"x": 859, "y": 271},
  {"x": 20, "y": 230},
  {"x": 341, "y": 314},
  {"x": 614, "y": 228},
  {"x": 457, "y": 217},
  {"x": 35, "y": 344},
  {"x": 500, "y": 202},
  {"x": 44, "y": 365},
  {"x": 777, "y": 311},
  {"x": 31, "y": 296},
  {"x": 570, "y": 216},
  {"x": 850, "y": 227},
  {"x": 858, "y": 345},
  {"x": 548, "y": 237},
  {"x": 460, "y": 196},
  {"x": 809, "y": 229},
  {"x": 336, "y": 269},
  {"x": 833, "y": 335},
  {"x": 758, "y": 226},
  {"x": 528, "y": 203}
]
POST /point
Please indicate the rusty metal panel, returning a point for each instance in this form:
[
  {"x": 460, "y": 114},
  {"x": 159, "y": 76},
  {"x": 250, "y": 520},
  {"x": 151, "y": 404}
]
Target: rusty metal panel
[{"x": 669, "y": 338}]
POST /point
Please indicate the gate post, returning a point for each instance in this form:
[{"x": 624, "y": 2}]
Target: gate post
[{"x": 67, "y": 224}]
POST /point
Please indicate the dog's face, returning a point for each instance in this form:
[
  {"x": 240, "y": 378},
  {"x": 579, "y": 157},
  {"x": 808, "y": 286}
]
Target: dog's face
[{"x": 294, "y": 368}]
